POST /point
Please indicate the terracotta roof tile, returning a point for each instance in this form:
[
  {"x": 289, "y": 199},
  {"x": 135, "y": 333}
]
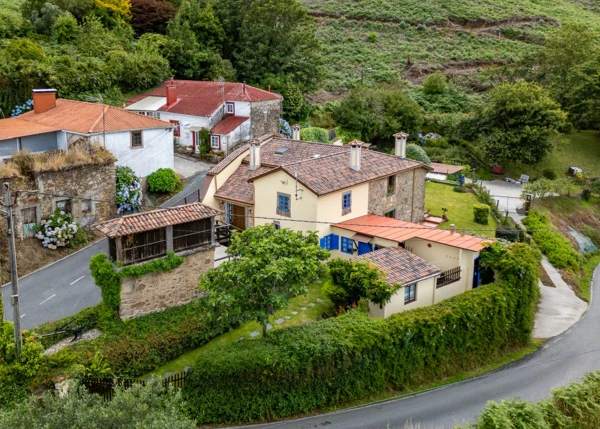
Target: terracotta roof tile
[
  {"x": 15, "y": 127},
  {"x": 446, "y": 168},
  {"x": 400, "y": 231},
  {"x": 88, "y": 118},
  {"x": 228, "y": 124},
  {"x": 401, "y": 266},
  {"x": 147, "y": 221},
  {"x": 200, "y": 98},
  {"x": 228, "y": 160},
  {"x": 237, "y": 187}
]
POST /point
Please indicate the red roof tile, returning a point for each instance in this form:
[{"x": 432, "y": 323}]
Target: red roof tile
[
  {"x": 14, "y": 127},
  {"x": 400, "y": 266},
  {"x": 446, "y": 168},
  {"x": 200, "y": 98},
  {"x": 237, "y": 187},
  {"x": 228, "y": 160},
  {"x": 400, "y": 231},
  {"x": 228, "y": 124},
  {"x": 147, "y": 221},
  {"x": 88, "y": 118}
]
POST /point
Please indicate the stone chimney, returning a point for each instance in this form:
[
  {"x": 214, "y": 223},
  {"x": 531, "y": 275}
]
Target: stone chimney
[
  {"x": 355, "y": 155},
  {"x": 400, "y": 144},
  {"x": 43, "y": 100},
  {"x": 171, "y": 93},
  {"x": 296, "y": 132},
  {"x": 254, "y": 154}
]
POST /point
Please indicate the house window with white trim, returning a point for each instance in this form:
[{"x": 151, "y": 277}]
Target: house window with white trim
[
  {"x": 215, "y": 142},
  {"x": 230, "y": 108},
  {"x": 176, "y": 128}
]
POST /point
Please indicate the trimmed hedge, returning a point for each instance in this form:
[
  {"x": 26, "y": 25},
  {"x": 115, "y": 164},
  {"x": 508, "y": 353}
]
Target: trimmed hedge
[
  {"x": 481, "y": 213},
  {"x": 163, "y": 180},
  {"x": 314, "y": 134},
  {"x": 299, "y": 369},
  {"x": 510, "y": 233}
]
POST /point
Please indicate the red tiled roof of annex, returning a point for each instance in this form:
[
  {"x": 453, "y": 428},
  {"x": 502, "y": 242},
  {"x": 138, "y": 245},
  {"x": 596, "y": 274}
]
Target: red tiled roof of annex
[
  {"x": 400, "y": 266},
  {"x": 445, "y": 168},
  {"x": 237, "y": 188},
  {"x": 14, "y": 127},
  {"x": 228, "y": 124},
  {"x": 88, "y": 118},
  {"x": 147, "y": 221},
  {"x": 202, "y": 98},
  {"x": 400, "y": 231}
]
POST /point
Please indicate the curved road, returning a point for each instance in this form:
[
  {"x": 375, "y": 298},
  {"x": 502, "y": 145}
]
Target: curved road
[{"x": 560, "y": 361}]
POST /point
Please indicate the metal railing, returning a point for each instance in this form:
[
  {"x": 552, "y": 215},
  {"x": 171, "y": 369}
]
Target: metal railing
[{"x": 194, "y": 197}]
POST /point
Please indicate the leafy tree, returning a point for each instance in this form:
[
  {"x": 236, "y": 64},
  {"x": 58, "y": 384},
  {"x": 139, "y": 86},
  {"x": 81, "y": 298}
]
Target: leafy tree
[
  {"x": 202, "y": 21},
  {"x": 113, "y": 11},
  {"x": 268, "y": 267},
  {"x": 518, "y": 122},
  {"x": 65, "y": 29},
  {"x": 151, "y": 16},
  {"x": 435, "y": 84},
  {"x": 141, "y": 406},
  {"x": 44, "y": 19},
  {"x": 417, "y": 153}
]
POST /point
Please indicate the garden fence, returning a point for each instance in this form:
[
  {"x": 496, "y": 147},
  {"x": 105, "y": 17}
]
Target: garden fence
[{"x": 105, "y": 387}]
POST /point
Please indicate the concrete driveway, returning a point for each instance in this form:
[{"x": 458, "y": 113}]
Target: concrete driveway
[
  {"x": 507, "y": 195},
  {"x": 188, "y": 167}
]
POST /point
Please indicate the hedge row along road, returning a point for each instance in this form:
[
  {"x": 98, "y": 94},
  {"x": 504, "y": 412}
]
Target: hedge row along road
[{"x": 562, "y": 360}]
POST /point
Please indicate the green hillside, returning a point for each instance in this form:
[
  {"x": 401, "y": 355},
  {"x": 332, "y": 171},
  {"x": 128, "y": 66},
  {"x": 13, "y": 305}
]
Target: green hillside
[{"x": 414, "y": 37}]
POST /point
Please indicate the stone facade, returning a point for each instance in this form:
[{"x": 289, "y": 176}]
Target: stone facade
[
  {"x": 264, "y": 123},
  {"x": 407, "y": 197},
  {"x": 161, "y": 290},
  {"x": 93, "y": 185}
]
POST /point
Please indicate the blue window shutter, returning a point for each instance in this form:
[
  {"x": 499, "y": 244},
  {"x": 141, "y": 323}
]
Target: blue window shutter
[
  {"x": 279, "y": 202},
  {"x": 323, "y": 243},
  {"x": 335, "y": 242}
]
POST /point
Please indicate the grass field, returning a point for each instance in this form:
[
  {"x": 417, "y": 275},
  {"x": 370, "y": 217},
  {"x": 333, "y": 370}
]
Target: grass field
[
  {"x": 460, "y": 209},
  {"x": 309, "y": 314},
  {"x": 583, "y": 151}
]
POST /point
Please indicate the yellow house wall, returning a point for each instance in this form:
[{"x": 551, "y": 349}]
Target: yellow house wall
[
  {"x": 329, "y": 209},
  {"x": 442, "y": 256},
  {"x": 219, "y": 179},
  {"x": 425, "y": 289}
]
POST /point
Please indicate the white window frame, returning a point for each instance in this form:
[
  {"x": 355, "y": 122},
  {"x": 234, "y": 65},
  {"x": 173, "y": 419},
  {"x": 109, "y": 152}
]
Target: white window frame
[
  {"x": 218, "y": 140},
  {"x": 230, "y": 105}
]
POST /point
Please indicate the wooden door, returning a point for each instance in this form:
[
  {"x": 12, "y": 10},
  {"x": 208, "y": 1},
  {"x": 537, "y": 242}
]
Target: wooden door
[{"x": 239, "y": 220}]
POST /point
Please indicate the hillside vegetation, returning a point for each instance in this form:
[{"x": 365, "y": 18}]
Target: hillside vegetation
[{"x": 412, "y": 38}]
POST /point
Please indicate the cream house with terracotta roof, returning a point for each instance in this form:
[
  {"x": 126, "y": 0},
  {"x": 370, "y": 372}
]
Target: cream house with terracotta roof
[{"x": 143, "y": 143}]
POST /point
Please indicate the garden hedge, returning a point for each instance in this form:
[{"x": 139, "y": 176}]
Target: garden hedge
[
  {"x": 300, "y": 369},
  {"x": 481, "y": 213},
  {"x": 163, "y": 180}
]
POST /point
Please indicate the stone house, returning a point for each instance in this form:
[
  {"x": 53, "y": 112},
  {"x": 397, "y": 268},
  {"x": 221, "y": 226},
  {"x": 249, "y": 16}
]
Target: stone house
[
  {"x": 233, "y": 112},
  {"x": 143, "y": 143},
  {"x": 187, "y": 230}
]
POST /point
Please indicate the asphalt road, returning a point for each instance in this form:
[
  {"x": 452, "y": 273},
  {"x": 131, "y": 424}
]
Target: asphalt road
[
  {"x": 67, "y": 287},
  {"x": 558, "y": 362}
]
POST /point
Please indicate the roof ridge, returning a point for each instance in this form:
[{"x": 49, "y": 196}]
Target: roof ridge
[{"x": 97, "y": 121}]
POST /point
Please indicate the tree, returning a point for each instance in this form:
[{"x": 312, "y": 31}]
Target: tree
[
  {"x": 435, "y": 84},
  {"x": 141, "y": 406},
  {"x": 113, "y": 11},
  {"x": 151, "y": 16},
  {"x": 518, "y": 122},
  {"x": 268, "y": 267},
  {"x": 65, "y": 29}
]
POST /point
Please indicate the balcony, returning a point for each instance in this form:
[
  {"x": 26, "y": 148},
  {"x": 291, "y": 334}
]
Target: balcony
[{"x": 448, "y": 277}]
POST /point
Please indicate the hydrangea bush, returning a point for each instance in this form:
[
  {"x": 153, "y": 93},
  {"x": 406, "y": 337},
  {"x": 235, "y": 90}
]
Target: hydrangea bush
[
  {"x": 59, "y": 230},
  {"x": 128, "y": 190},
  {"x": 284, "y": 128},
  {"x": 19, "y": 110}
]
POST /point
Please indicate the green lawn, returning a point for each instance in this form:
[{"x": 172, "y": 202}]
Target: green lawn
[
  {"x": 310, "y": 313},
  {"x": 460, "y": 209},
  {"x": 583, "y": 151}
]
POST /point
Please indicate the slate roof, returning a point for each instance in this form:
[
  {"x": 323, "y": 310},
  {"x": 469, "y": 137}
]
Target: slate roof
[
  {"x": 88, "y": 118},
  {"x": 200, "y": 98},
  {"x": 14, "y": 127},
  {"x": 237, "y": 187},
  {"x": 228, "y": 124},
  {"x": 147, "y": 221},
  {"x": 400, "y": 231},
  {"x": 401, "y": 266}
]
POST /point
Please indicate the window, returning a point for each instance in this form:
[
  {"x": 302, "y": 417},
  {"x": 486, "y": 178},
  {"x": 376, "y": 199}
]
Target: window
[
  {"x": 283, "y": 204},
  {"x": 391, "y": 213},
  {"x": 136, "y": 139},
  {"x": 346, "y": 203},
  {"x": 276, "y": 224},
  {"x": 64, "y": 206},
  {"x": 410, "y": 293},
  {"x": 154, "y": 115},
  {"x": 347, "y": 246},
  {"x": 176, "y": 128},
  {"x": 229, "y": 213},
  {"x": 391, "y": 185},
  {"x": 230, "y": 108},
  {"x": 266, "y": 108},
  {"x": 330, "y": 242},
  {"x": 215, "y": 142}
]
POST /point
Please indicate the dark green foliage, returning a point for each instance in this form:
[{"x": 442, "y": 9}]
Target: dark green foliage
[
  {"x": 460, "y": 189},
  {"x": 509, "y": 233},
  {"x": 163, "y": 180},
  {"x": 336, "y": 294},
  {"x": 167, "y": 264},
  {"x": 417, "y": 153},
  {"x": 435, "y": 84},
  {"x": 552, "y": 243},
  {"x": 314, "y": 134},
  {"x": 481, "y": 213},
  {"x": 586, "y": 194},
  {"x": 549, "y": 174},
  {"x": 299, "y": 369},
  {"x": 107, "y": 279},
  {"x": 204, "y": 143},
  {"x": 353, "y": 280}
]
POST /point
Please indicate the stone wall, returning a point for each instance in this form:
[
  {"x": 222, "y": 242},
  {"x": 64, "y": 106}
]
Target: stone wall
[
  {"x": 161, "y": 290},
  {"x": 408, "y": 198},
  {"x": 263, "y": 123}
]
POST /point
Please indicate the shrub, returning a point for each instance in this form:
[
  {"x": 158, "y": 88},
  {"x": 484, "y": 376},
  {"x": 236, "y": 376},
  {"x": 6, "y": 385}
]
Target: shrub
[
  {"x": 417, "y": 153},
  {"x": 509, "y": 233},
  {"x": 128, "y": 189},
  {"x": 163, "y": 180},
  {"x": 481, "y": 213},
  {"x": 60, "y": 230},
  {"x": 314, "y": 134},
  {"x": 435, "y": 84},
  {"x": 586, "y": 194},
  {"x": 336, "y": 294},
  {"x": 299, "y": 369},
  {"x": 549, "y": 174},
  {"x": 459, "y": 189},
  {"x": 372, "y": 37}
]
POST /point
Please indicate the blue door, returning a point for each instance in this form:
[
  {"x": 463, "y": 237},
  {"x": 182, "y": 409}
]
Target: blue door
[
  {"x": 476, "y": 273},
  {"x": 364, "y": 248}
]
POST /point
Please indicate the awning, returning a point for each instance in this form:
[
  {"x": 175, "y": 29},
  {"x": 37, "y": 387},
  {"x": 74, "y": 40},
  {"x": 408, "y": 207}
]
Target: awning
[
  {"x": 361, "y": 238},
  {"x": 195, "y": 128}
]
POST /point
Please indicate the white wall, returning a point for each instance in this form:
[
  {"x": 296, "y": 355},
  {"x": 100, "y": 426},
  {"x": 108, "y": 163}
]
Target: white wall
[
  {"x": 185, "y": 122},
  {"x": 156, "y": 153},
  {"x": 61, "y": 140},
  {"x": 424, "y": 295},
  {"x": 240, "y": 135},
  {"x": 242, "y": 108}
]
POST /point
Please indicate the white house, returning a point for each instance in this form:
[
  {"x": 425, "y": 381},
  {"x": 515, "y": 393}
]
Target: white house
[
  {"x": 143, "y": 143},
  {"x": 233, "y": 113}
]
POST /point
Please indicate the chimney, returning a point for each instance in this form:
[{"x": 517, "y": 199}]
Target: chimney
[
  {"x": 269, "y": 88},
  {"x": 171, "y": 93},
  {"x": 43, "y": 100},
  {"x": 296, "y": 132},
  {"x": 451, "y": 228},
  {"x": 255, "y": 154},
  {"x": 244, "y": 88},
  {"x": 400, "y": 144},
  {"x": 355, "y": 155}
]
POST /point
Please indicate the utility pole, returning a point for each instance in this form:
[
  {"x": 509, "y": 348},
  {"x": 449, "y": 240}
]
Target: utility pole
[{"x": 14, "y": 277}]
